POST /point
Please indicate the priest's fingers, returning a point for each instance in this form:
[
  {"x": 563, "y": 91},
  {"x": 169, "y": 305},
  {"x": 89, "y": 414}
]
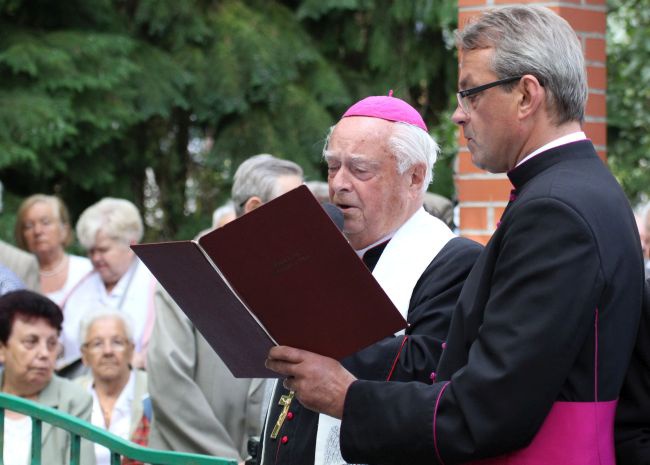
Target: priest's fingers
[
  {"x": 319, "y": 383},
  {"x": 281, "y": 367},
  {"x": 284, "y": 360},
  {"x": 287, "y": 354},
  {"x": 288, "y": 383},
  {"x": 297, "y": 363}
]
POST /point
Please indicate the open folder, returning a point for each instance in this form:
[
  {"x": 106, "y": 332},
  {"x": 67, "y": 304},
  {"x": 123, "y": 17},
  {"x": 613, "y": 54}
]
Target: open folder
[{"x": 282, "y": 274}]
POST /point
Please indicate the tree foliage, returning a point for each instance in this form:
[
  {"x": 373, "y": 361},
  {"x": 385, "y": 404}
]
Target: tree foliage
[
  {"x": 628, "y": 95},
  {"x": 95, "y": 94},
  {"x": 158, "y": 101}
]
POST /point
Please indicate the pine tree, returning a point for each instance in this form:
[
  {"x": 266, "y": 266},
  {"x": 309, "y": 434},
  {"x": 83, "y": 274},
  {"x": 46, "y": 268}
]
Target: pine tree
[{"x": 95, "y": 93}]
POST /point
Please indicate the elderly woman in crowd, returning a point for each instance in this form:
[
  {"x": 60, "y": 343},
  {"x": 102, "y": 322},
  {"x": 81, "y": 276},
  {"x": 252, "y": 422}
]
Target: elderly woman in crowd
[
  {"x": 106, "y": 230},
  {"x": 119, "y": 392},
  {"x": 43, "y": 228},
  {"x": 29, "y": 341}
]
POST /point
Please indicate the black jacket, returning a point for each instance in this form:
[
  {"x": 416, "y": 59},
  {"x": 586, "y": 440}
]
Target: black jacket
[{"x": 543, "y": 323}]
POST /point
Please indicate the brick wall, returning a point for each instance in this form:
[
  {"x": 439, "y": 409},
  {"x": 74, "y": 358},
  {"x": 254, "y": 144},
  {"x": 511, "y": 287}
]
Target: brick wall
[{"x": 483, "y": 196}]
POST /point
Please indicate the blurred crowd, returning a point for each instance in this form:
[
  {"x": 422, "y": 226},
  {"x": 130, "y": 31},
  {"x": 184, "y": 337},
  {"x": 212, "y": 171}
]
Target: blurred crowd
[
  {"x": 543, "y": 330},
  {"x": 104, "y": 322},
  {"x": 97, "y": 337}
]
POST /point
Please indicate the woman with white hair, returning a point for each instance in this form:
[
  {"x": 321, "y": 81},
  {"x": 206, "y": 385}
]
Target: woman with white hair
[
  {"x": 106, "y": 230},
  {"x": 120, "y": 398}
]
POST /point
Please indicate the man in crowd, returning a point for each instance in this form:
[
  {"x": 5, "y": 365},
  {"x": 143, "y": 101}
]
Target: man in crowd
[
  {"x": 198, "y": 405},
  {"x": 17, "y": 263},
  {"x": 380, "y": 159},
  {"x": 440, "y": 207},
  {"x": 535, "y": 356},
  {"x": 9, "y": 281},
  {"x": 24, "y": 265}
]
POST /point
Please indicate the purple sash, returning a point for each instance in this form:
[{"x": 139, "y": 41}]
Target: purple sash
[{"x": 573, "y": 433}]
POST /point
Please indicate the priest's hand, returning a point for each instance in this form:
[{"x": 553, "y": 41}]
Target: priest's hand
[{"x": 320, "y": 383}]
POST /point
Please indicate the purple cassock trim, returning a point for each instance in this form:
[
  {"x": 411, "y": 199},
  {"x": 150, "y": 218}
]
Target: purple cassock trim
[
  {"x": 574, "y": 433},
  {"x": 435, "y": 414}
]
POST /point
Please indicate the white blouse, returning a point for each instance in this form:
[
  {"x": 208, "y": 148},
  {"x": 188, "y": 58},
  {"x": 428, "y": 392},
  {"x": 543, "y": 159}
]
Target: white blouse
[
  {"x": 133, "y": 294},
  {"x": 78, "y": 267},
  {"x": 120, "y": 418},
  {"x": 18, "y": 433}
]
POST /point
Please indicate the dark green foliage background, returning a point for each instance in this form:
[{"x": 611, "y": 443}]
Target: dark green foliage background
[
  {"x": 92, "y": 92},
  {"x": 628, "y": 95}
]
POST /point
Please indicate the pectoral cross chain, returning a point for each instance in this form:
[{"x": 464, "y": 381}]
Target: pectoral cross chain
[{"x": 285, "y": 401}]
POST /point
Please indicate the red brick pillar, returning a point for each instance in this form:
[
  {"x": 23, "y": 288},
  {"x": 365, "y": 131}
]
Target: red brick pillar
[{"x": 483, "y": 196}]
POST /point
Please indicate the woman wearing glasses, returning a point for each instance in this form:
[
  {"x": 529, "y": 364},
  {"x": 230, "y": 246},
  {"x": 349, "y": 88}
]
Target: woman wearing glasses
[
  {"x": 119, "y": 392},
  {"x": 43, "y": 228}
]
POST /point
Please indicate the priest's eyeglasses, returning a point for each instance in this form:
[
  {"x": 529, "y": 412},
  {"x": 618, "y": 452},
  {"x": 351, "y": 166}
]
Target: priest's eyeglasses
[{"x": 465, "y": 96}]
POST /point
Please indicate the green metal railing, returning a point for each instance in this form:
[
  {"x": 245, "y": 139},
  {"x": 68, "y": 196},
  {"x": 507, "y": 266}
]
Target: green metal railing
[{"x": 81, "y": 429}]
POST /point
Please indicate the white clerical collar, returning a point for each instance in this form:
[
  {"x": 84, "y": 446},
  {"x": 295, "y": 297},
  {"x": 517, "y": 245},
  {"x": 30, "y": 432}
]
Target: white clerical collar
[
  {"x": 573, "y": 137},
  {"x": 409, "y": 253}
]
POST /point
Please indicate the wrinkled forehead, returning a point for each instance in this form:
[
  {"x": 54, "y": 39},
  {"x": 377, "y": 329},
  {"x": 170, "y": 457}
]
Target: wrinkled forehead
[
  {"x": 475, "y": 66},
  {"x": 108, "y": 324},
  {"x": 359, "y": 137}
]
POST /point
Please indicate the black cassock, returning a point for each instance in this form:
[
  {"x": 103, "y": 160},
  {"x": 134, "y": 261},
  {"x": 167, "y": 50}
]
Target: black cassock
[
  {"x": 432, "y": 302},
  {"x": 540, "y": 340},
  {"x": 633, "y": 413}
]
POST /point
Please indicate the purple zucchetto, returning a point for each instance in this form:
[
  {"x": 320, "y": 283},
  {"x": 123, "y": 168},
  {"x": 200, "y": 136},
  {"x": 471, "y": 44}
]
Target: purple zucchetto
[{"x": 389, "y": 108}]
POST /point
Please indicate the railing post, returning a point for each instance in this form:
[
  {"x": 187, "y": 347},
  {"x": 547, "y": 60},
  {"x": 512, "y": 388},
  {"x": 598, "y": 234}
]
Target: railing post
[
  {"x": 81, "y": 430},
  {"x": 75, "y": 449},
  {"x": 37, "y": 433},
  {"x": 2, "y": 436}
]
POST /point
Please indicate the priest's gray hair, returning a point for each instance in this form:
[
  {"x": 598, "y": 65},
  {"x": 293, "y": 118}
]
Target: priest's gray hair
[
  {"x": 258, "y": 177},
  {"x": 534, "y": 40},
  {"x": 117, "y": 218},
  {"x": 105, "y": 313},
  {"x": 410, "y": 145}
]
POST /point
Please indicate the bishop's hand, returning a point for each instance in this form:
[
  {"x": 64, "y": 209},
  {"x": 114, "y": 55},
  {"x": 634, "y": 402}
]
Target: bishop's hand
[{"x": 320, "y": 383}]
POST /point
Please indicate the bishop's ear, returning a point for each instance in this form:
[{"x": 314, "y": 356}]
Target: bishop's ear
[{"x": 417, "y": 176}]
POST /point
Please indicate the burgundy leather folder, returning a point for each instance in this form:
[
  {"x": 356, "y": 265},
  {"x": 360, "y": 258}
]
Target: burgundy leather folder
[{"x": 281, "y": 274}]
